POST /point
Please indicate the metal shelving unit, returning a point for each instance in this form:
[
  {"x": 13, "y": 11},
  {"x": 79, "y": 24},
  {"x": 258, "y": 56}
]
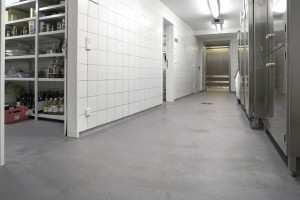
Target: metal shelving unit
[{"x": 36, "y": 40}]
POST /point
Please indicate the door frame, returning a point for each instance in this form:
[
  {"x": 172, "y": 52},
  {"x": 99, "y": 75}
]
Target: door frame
[
  {"x": 170, "y": 57},
  {"x": 2, "y": 83}
]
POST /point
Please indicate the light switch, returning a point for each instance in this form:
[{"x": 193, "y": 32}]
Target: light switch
[
  {"x": 88, "y": 44},
  {"x": 88, "y": 112}
]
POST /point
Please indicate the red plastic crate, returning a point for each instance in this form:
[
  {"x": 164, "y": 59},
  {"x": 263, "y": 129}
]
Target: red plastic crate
[{"x": 20, "y": 113}]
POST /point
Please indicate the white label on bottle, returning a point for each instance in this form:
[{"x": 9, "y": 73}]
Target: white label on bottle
[
  {"x": 50, "y": 110},
  {"x": 61, "y": 109},
  {"x": 54, "y": 109}
]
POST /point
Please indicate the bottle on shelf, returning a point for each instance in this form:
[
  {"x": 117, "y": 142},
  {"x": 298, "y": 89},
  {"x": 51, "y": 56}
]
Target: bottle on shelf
[
  {"x": 55, "y": 107},
  {"x": 50, "y": 110}
]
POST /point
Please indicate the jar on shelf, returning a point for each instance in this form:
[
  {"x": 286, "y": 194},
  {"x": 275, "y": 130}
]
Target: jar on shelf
[{"x": 31, "y": 27}]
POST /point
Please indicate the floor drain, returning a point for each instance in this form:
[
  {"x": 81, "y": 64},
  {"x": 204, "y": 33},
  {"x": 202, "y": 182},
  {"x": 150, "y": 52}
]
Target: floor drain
[{"x": 205, "y": 103}]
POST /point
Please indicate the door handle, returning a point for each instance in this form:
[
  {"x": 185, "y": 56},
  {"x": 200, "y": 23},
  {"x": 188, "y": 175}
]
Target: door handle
[
  {"x": 271, "y": 35},
  {"x": 270, "y": 65}
]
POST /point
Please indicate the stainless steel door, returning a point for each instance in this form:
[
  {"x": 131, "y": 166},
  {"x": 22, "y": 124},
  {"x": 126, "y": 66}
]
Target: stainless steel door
[
  {"x": 276, "y": 24},
  {"x": 277, "y": 72},
  {"x": 278, "y": 85}
]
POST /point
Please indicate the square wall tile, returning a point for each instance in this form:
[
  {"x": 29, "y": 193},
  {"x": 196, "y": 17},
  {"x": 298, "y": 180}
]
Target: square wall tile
[
  {"x": 82, "y": 105},
  {"x": 92, "y": 25},
  {"x": 82, "y": 55},
  {"x": 110, "y": 115},
  {"x": 111, "y": 59},
  {"x": 102, "y": 73},
  {"x": 93, "y": 120},
  {"x": 82, "y": 123},
  {"x": 92, "y": 88},
  {"x": 102, "y": 102},
  {"x": 94, "y": 40},
  {"x": 93, "y": 9},
  {"x": 118, "y": 99},
  {"x": 83, "y": 6},
  {"x": 81, "y": 38},
  {"x": 103, "y": 13},
  {"x": 110, "y": 100},
  {"x": 102, "y": 87},
  {"x": 111, "y": 86},
  {"x": 102, "y": 28},
  {"x": 102, "y": 43},
  {"x": 125, "y": 97},
  {"x": 111, "y": 17},
  {"x": 111, "y": 31},
  {"x": 82, "y": 72},
  {"x": 119, "y": 112},
  {"x": 111, "y": 73},
  {"x": 125, "y": 110},
  {"x": 93, "y": 103},
  {"x": 111, "y": 45},
  {"x": 119, "y": 60},
  {"x": 102, "y": 117},
  {"x": 92, "y": 57},
  {"x": 82, "y": 22},
  {"x": 119, "y": 86},
  {"x": 82, "y": 89},
  {"x": 102, "y": 58}
]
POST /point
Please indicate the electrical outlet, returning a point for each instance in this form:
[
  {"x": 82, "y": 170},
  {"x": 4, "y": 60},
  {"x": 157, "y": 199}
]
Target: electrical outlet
[{"x": 88, "y": 112}]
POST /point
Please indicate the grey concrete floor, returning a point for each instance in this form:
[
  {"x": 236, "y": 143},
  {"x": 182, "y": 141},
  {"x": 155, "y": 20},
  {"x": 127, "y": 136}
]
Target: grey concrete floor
[{"x": 182, "y": 151}]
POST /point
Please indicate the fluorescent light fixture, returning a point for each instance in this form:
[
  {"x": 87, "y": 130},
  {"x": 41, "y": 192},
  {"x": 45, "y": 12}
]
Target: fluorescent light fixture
[
  {"x": 214, "y": 8},
  {"x": 219, "y": 27},
  {"x": 280, "y": 6}
]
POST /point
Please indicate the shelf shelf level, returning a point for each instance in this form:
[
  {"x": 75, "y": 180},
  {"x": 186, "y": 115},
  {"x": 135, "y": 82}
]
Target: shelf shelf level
[
  {"x": 51, "y": 55},
  {"x": 51, "y": 79},
  {"x": 58, "y": 7},
  {"x": 51, "y": 17},
  {"x": 21, "y": 38},
  {"x": 23, "y": 5},
  {"x": 19, "y": 79},
  {"x": 20, "y": 57},
  {"x": 20, "y": 22},
  {"x": 54, "y": 117}
]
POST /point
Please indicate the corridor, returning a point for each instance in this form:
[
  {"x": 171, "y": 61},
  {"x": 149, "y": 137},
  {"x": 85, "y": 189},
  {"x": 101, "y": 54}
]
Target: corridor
[{"x": 200, "y": 147}]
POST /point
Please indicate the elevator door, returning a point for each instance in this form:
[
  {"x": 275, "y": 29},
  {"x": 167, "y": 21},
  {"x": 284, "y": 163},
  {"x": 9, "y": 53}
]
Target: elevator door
[{"x": 217, "y": 68}]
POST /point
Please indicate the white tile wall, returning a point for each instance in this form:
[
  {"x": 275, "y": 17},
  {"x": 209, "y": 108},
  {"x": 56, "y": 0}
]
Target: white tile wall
[{"x": 122, "y": 73}]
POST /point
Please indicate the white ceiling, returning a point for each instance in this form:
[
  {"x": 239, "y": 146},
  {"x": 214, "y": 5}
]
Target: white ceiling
[{"x": 197, "y": 15}]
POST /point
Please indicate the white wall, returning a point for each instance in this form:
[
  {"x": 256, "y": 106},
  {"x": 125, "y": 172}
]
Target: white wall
[{"x": 122, "y": 74}]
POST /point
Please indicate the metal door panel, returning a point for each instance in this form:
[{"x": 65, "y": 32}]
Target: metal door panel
[
  {"x": 260, "y": 49},
  {"x": 276, "y": 24},
  {"x": 278, "y": 85}
]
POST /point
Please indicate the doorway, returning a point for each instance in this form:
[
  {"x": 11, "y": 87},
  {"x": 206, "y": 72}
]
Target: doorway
[
  {"x": 168, "y": 61},
  {"x": 217, "y": 67}
]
